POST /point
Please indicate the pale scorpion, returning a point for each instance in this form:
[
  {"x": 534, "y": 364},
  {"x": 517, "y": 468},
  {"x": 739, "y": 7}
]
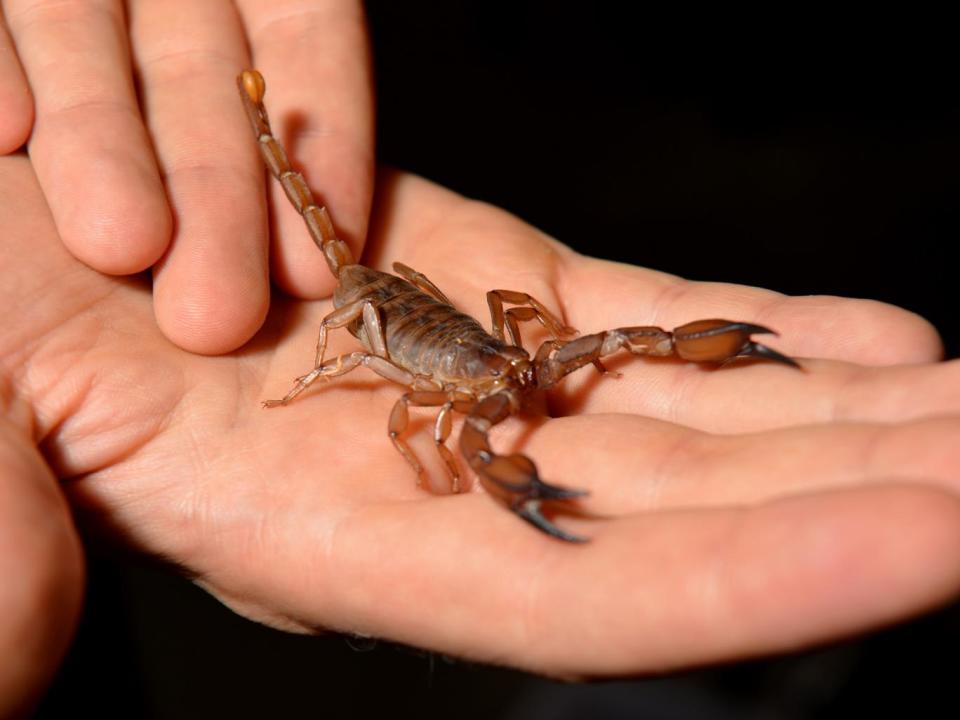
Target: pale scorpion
[{"x": 414, "y": 336}]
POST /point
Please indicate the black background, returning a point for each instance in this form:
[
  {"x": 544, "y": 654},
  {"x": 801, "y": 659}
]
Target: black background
[{"x": 809, "y": 154}]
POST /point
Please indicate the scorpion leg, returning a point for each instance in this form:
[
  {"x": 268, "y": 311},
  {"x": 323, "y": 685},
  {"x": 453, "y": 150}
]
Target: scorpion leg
[
  {"x": 511, "y": 478},
  {"x": 702, "y": 341},
  {"x": 400, "y": 417},
  {"x": 421, "y": 281},
  {"x": 341, "y": 365},
  {"x": 343, "y": 316},
  {"x": 533, "y": 309},
  {"x": 513, "y": 316}
]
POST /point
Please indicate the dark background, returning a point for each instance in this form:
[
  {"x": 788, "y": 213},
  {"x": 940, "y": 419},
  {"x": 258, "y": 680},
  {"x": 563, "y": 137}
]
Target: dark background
[{"x": 809, "y": 154}]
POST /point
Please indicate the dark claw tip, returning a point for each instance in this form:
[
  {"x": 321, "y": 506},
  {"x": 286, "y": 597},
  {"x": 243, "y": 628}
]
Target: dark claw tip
[
  {"x": 555, "y": 492},
  {"x": 762, "y": 351},
  {"x": 757, "y": 329},
  {"x": 530, "y": 511}
]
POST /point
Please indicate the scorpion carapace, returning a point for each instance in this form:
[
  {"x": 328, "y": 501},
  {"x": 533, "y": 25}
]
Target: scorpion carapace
[{"x": 412, "y": 334}]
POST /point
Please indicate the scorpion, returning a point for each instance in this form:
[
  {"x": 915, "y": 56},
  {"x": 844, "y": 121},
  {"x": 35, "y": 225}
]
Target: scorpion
[{"x": 414, "y": 336}]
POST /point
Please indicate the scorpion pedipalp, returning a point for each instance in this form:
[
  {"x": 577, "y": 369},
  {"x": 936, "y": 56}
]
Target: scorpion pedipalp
[{"x": 511, "y": 478}]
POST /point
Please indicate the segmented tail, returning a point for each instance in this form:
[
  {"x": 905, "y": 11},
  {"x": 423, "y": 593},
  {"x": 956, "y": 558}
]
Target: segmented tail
[{"x": 252, "y": 89}]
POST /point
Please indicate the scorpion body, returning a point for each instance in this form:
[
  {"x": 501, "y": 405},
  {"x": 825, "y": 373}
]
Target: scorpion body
[
  {"x": 424, "y": 334},
  {"x": 413, "y": 335}
]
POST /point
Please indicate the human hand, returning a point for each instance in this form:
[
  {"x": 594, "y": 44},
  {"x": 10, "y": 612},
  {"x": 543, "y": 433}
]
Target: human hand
[
  {"x": 751, "y": 509},
  {"x": 146, "y": 159},
  {"x": 41, "y": 565}
]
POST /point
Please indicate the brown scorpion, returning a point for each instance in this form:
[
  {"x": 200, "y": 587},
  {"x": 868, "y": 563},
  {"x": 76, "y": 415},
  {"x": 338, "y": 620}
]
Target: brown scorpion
[{"x": 414, "y": 336}]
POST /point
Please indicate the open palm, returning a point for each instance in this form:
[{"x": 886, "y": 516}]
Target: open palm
[{"x": 732, "y": 512}]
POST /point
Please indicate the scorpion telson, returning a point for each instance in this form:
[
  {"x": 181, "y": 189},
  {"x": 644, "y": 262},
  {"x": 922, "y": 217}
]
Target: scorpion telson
[{"x": 413, "y": 335}]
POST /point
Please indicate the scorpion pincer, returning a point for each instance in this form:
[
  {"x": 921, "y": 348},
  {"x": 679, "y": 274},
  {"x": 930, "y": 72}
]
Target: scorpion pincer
[{"x": 413, "y": 335}]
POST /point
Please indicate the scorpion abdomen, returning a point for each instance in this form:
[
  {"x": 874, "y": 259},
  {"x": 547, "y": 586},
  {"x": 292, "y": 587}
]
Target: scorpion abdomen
[{"x": 423, "y": 334}]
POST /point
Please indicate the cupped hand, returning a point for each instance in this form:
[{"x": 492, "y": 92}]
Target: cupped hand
[
  {"x": 147, "y": 160},
  {"x": 733, "y": 512},
  {"x": 41, "y": 565}
]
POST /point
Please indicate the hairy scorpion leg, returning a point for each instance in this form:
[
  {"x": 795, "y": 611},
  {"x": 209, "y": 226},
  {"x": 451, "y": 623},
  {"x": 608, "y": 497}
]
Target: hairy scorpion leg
[
  {"x": 421, "y": 281},
  {"x": 702, "y": 341},
  {"x": 342, "y": 364},
  {"x": 339, "y": 318},
  {"x": 531, "y": 309},
  {"x": 425, "y": 395},
  {"x": 400, "y": 417},
  {"x": 343, "y": 316},
  {"x": 511, "y": 478}
]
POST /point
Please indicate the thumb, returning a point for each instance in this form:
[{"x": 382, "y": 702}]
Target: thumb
[{"x": 41, "y": 573}]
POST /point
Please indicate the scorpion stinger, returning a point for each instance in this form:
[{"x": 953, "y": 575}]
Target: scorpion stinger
[{"x": 413, "y": 336}]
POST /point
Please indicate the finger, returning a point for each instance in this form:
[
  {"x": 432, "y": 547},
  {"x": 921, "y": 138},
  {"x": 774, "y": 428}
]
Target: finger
[
  {"x": 604, "y": 295},
  {"x": 630, "y": 464},
  {"x": 89, "y": 146},
  {"x": 315, "y": 59},
  {"x": 42, "y": 566},
  {"x": 751, "y": 397},
  {"x": 211, "y": 289},
  {"x": 15, "y": 98},
  {"x": 728, "y": 584},
  {"x": 648, "y": 593}
]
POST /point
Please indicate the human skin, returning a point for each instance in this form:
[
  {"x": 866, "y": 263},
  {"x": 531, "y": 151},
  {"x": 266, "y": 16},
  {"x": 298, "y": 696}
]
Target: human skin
[
  {"x": 732, "y": 512},
  {"x": 41, "y": 565},
  {"x": 129, "y": 114}
]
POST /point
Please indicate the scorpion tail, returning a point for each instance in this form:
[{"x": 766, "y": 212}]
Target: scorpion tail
[
  {"x": 511, "y": 478},
  {"x": 252, "y": 89}
]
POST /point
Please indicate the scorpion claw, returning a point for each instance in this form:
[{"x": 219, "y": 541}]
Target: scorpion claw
[
  {"x": 720, "y": 341},
  {"x": 757, "y": 350},
  {"x": 751, "y": 329},
  {"x": 545, "y": 491},
  {"x": 529, "y": 510},
  {"x": 515, "y": 479}
]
